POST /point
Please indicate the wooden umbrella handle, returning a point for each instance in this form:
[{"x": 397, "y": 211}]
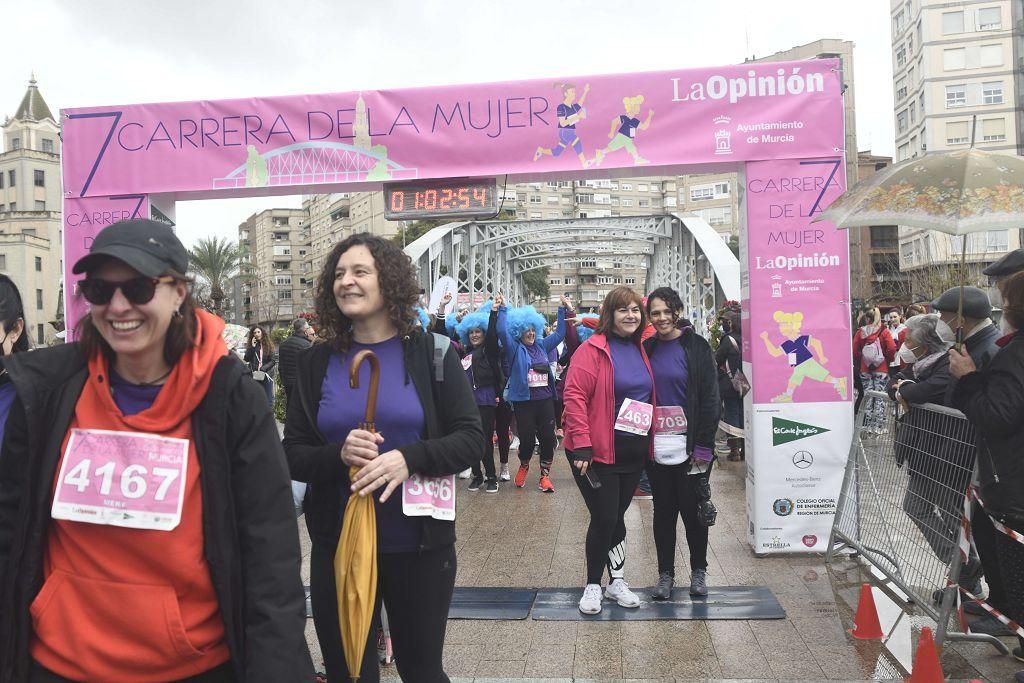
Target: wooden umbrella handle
[{"x": 353, "y": 382}]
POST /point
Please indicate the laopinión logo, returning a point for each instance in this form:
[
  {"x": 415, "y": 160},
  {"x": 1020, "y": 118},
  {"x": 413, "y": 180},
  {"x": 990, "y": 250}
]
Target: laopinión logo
[
  {"x": 782, "y": 507},
  {"x": 785, "y": 431}
]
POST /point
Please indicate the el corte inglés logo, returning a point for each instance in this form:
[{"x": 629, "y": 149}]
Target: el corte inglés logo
[{"x": 784, "y": 431}]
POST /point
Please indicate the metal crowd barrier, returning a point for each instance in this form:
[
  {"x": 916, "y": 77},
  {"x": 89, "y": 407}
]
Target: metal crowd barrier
[{"x": 902, "y": 503}]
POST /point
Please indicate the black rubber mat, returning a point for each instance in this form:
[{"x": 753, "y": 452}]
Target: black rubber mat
[
  {"x": 502, "y": 604},
  {"x": 722, "y": 602}
]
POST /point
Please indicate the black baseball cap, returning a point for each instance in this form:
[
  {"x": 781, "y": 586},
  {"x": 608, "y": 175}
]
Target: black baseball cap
[{"x": 148, "y": 246}]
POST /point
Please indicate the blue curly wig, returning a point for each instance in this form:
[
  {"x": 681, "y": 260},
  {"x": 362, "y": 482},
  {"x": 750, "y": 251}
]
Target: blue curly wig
[
  {"x": 424, "y": 318},
  {"x": 582, "y": 330},
  {"x": 521, "y": 319},
  {"x": 477, "y": 320}
]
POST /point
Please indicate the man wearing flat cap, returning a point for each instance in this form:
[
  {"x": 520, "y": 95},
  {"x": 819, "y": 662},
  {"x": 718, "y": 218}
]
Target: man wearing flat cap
[
  {"x": 1012, "y": 263},
  {"x": 979, "y": 334}
]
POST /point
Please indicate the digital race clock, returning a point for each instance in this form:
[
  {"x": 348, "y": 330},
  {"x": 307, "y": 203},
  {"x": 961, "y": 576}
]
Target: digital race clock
[{"x": 440, "y": 199}]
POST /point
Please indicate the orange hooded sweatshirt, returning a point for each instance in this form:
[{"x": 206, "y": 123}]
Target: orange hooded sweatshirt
[{"x": 135, "y": 605}]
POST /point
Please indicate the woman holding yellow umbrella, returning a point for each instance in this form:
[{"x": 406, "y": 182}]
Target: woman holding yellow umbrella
[{"x": 426, "y": 428}]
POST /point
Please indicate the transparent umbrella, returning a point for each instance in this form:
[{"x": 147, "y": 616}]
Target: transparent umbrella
[{"x": 957, "y": 193}]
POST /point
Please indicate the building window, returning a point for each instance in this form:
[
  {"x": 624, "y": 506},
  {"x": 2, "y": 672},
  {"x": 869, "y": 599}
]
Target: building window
[
  {"x": 555, "y": 281},
  {"x": 702, "y": 192},
  {"x": 39, "y": 264},
  {"x": 14, "y": 206},
  {"x": 956, "y": 95},
  {"x": 992, "y": 55},
  {"x": 903, "y": 152},
  {"x": 535, "y": 215},
  {"x": 641, "y": 188},
  {"x": 901, "y": 56},
  {"x": 901, "y": 122},
  {"x": 12, "y": 179},
  {"x": 48, "y": 145},
  {"x": 535, "y": 199},
  {"x": 39, "y": 334},
  {"x": 627, "y": 187},
  {"x": 952, "y": 22},
  {"x": 992, "y": 92},
  {"x": 901, "y": 89},
  {"x": 585, "y": 198},
  {"x": 911, "y": 110},
  {"x": 884, "y": 236},
  {"x": 39, "y": 178},
  {"x": 989, "y": 19},
  {"x": 553, "y": 199},
  {"x": 554, "y": 214},
  {"x": 3, "y": 261},
  {"x": 954, "y": 59},
  {"x": 644, "y": 203},
  {"x": 15, "y": 143},
  {"x": 284, "y": 294},
  {"x": 899, "y": 22},
  {"x": 993, "y": 130},
  {"x": 40, "y": 205},
  {"x": 39, "y": 299},
  {"x": 627, "y": 202},
  {"x": 997, "y": 240},
  {"x": 630, "y": 280},
  {"x": 956, "y": 133}
]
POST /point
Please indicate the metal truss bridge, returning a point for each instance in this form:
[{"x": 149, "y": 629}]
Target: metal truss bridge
[{"x": 676, "y": 250}]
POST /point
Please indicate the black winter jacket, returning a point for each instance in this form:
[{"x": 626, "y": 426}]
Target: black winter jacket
[
  {"x": 250, "y": 537},
  {"x": 993, "y": 400},
  {"x": 729, "y": 360},
  {"x": 452, "y": 444},
  {"x": 288, "y": 359},
  {"x": 269, "y": 362},
  {"x": 703, "y": 404}
]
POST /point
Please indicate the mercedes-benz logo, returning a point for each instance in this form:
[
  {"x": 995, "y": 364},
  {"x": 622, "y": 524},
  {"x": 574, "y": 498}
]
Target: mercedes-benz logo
[{"x": 802, "y": 460}]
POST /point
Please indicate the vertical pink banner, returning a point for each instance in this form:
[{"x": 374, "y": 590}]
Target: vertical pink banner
[
  {"x": 799, "y": 322},
  {"x": 83, "y": 220}
]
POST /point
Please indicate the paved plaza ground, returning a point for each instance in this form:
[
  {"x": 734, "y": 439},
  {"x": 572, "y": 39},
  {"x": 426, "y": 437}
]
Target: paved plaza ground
[{"x": 525, "y": 538}]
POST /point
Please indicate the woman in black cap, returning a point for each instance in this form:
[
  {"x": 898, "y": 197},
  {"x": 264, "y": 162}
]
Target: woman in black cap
[{"x": 146, "y": 520}]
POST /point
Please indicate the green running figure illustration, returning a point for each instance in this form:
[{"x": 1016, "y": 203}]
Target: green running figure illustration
[
  {"x": 256, "y": 174},
  {"x": 797, "y": 349},
  {"x": 627, "y": 125}
]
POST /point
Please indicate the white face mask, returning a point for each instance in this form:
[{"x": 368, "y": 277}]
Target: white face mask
[
  {"x": 907, "y": 356},
  {"x": 944, "y": 331}
]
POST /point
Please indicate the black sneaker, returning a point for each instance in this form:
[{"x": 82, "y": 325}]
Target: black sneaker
[
  {"x": 492, "y": 486},
  {"x": 663, "y": 591},
  {"x": 989, "y": 625},
  {"x": 476, "y": 483}
]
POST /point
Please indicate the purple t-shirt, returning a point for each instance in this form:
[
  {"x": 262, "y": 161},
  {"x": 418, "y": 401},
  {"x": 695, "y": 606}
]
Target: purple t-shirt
[
  {"x": 6, "y": 400},
  {"x": 484, "y": 394},
  {"x": 132, "y": 399},
  {"x": 670, "y": 373},
  {"x": 538, "y": 356},
  {"x": 631, "y": 377},
  {"x": 399, "y": 419}
]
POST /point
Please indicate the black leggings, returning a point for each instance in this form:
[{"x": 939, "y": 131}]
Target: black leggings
[
  {"x": 1011, "y": 567},
  {"x": 536, "y": 421},
  {"x": 675, "y": 494},
  {"x": 487, "y": 455},
  {"x": 416, "y": 589},
  {"x": 503, "y": 419}
]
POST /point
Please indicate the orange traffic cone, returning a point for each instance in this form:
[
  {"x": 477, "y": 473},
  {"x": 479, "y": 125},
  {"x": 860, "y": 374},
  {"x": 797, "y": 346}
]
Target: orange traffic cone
[
  {"x": 866, "y": 626},
  {"x": 927, "y": 668}
]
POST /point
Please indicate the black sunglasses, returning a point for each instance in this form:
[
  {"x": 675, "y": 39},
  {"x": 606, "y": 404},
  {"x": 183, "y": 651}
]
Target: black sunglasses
[{"x": 138, "y": 290}]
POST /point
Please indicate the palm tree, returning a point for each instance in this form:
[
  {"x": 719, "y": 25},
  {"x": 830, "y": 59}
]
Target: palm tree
[{"x": 216, "y": 260}]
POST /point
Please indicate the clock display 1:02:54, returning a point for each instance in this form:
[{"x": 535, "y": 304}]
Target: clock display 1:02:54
[{"x": 440, "y": 199}]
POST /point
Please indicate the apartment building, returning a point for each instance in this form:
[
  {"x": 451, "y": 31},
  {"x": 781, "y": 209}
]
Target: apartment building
[
  {"x": 275, "y": 245},
  {"x": 30, "y": 212},
  {"x": 958, "y": 70}
]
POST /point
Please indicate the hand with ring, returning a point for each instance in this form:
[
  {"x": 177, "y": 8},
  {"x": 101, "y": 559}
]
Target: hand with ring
[{"x": 388, "y": 470}]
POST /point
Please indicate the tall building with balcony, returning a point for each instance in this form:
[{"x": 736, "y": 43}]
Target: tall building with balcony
[
  {"x": 275, "y": 246},
  {"x": 30, "y": 212},
  {"x": 958, "y": 69},
  {"x": 880, "y": 248}
]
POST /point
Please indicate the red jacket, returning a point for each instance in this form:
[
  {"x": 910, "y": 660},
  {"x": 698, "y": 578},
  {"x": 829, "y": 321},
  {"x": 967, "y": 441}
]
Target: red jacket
[
  {"x": 589, "y": 400},
  {"x": 885, "y": 340}
]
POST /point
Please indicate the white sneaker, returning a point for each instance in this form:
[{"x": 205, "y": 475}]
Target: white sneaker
[
  {"x": 618, "y": 590},
  {"x": 466, "y": 474},
  {"x": 505, "y": 476},
  {"x": 590, "y": 603},
  {"x": 514, "y": 446}
]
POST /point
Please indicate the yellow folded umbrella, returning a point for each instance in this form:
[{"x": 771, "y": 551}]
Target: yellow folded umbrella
[{"x": 355, "y": 562}]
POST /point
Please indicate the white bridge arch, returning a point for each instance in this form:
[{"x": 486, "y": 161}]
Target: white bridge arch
[{"x": 676, "y": 250}]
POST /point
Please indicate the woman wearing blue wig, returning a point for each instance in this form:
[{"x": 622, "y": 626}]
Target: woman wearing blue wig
[
  {"x": 531, "y": 387},
  {"x": 478, "y": 332}
]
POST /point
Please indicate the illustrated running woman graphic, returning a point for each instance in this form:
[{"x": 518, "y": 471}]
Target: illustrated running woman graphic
[
  {"x": 255, "y": 169},
  {"x": 797, "y": 349},
  {"x": 627, "y": 125},
  {"x": 570, "y": 112}
]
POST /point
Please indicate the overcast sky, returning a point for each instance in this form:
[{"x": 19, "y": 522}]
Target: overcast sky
[{"x": 104, "y": 52}]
